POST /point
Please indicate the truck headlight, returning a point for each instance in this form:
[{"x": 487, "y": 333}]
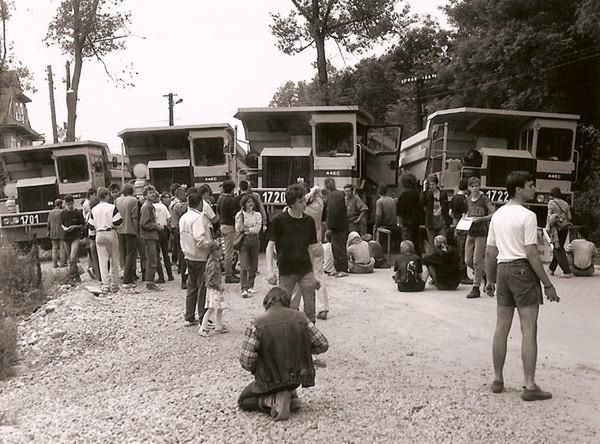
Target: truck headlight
[{"x": 540, "y": 198}]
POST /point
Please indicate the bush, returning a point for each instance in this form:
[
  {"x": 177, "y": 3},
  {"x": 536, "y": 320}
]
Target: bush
[{"x": 19, "y": 296}]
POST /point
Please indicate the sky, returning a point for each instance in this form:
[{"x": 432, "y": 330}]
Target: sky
[{"x": 217, "y": 56}]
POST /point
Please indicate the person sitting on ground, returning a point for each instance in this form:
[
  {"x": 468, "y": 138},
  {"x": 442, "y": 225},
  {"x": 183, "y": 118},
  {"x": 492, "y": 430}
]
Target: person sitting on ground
[
  {"x": 376, "y": 252},
  {"x": 581, "y": 254},
  {"x": 277, "y": 349},
  {"x": 408, "y": 269},
  {"x": 442, "y": 265},
  {"x": 328, "y": 261},
  {"x": 359, "y": 256}
]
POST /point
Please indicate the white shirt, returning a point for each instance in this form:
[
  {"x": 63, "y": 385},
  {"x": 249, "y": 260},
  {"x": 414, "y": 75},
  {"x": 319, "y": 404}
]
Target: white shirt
[
  {"x": 207, "y": 210},
  {"x": 512, "y": 228},
  {"x": 104, "y": 216},
  {"x": 194, "y": 235},
  {"x": 162, "y": 214}
]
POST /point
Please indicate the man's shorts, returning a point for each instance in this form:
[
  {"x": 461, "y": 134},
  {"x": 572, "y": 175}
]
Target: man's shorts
[{"x": 517, "y": 285}]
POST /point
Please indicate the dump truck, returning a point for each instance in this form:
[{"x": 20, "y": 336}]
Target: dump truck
[{"x": 35, "y": 176}]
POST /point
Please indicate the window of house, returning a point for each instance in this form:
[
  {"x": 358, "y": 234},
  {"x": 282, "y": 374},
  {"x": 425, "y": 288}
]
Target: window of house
[
  {"x": 20, "y": 112},
  {"x": 334, "y": 139},
  {"x": 209, "y": 151},
  {"x": 72, "y": 169},
  {"x": 554, "y": 144}
]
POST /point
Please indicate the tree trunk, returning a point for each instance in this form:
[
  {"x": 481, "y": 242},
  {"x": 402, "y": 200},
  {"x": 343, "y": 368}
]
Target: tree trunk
[
  {"x": 322, "y": 68},
  {"x": 72, "y": 98}
]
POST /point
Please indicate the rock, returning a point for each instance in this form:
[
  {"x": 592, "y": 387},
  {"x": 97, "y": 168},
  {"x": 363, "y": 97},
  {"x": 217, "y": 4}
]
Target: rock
[
  {"x": 49, "y": 308},
  {"x": 58, "y": 334},
  {"x": 18, "y": 370}
]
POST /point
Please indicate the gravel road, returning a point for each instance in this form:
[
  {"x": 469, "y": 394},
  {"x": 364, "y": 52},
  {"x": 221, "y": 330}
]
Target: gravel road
[{"x": 123, "y": 368}]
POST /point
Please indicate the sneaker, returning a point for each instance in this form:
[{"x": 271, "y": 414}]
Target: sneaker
[
  {"x": 475, "y": 293},
  {"x": 183, "y": 285},
  {"x": 160, "y": 281},
  {"x": 497, "y": 386},
  {"x": 190, "y": 323},
  {"x": 91, "y": 274},
  {"x": 252, "y": 291},
  {"x": 211, "y": 325},
  {"x": 171, "y": 278},
  {"x": 341, "y": 274},
  {"x": 295, "y": 403},
  {"x": 204, "y": 333},
  {"x": 322, "y": 315},
  {"x": 222, "y": 330},
  {"x": 232, "y": 280},
  {"x": 245, "y": 294},
  {"x": 280, "y": 411},
  {"x": 105, "y": 289},
  {"x": 566, "y": 276},
  {"x": 151, "y": 286},
  {"x": 114, "y": 289},
  {"x": 535, "y": 394}
]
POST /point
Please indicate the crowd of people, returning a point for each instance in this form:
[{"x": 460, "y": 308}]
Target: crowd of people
[{"x": 320, "y": 232}]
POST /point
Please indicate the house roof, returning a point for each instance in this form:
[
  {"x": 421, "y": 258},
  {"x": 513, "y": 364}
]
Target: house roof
[{"x": 10, "y": 89}]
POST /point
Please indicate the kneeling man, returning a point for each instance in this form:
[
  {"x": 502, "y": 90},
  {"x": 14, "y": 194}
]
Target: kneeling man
[{"x": 277, "y": 349}]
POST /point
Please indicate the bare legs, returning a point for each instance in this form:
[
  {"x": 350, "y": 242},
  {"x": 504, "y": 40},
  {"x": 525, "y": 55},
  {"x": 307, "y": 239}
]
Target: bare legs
[
  {"x": 528, "y": 317},
  {"x": 503, "y": 324}
]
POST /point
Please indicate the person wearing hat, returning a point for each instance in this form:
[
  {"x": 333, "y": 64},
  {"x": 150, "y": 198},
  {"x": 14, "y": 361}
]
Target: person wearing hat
[
  {"x": 359, "y": 255},
  {"x": 277, "y": 349}
]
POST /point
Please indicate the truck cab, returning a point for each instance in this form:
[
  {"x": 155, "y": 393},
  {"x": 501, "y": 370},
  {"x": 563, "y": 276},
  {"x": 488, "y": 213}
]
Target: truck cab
[
  {"x": 309, "y": 144},
  {"x": 490, "y": 143},
  {"x": 37, "y": 175},
  {"x": 187, "y": 155}
]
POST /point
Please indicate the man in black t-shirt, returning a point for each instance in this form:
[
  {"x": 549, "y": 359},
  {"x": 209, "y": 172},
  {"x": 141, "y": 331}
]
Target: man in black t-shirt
[
  {"x": 72, "y": 223},
  {"x": 294, "y": 236}
]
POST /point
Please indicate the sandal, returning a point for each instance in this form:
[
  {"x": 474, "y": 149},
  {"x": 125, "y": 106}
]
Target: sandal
[
  {"x": 204, "y": 333},
  {"x": 222, "y": 330}
]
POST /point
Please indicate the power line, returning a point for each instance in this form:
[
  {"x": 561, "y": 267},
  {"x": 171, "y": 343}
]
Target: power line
[{"x": 512, "y": 76}]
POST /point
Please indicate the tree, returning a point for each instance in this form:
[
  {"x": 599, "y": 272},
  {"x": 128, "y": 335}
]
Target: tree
[
  {"x": 86, "y": 29},
  {"x": 295, "y": 94},
  {"x": 526, "y": 54},
  {"x": 4, "y": 16},
  {"x": 353, "y": 24}
]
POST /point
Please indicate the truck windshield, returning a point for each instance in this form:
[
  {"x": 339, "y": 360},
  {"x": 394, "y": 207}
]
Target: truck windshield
[
  {"x": 334, "y": 139},
  {"x": 72, "y": 169},
  {"x": 209, "y": 151},
  {"x": 554, "y": 144}
]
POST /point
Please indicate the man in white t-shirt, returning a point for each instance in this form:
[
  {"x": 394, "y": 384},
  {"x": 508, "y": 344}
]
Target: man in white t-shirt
[
  {"x": 163, "y": 217},
  {"x": 512, "y": 261}
]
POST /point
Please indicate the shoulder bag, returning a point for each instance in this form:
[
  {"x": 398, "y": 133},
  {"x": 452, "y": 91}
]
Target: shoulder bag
[{"x": 239, "y": 236}]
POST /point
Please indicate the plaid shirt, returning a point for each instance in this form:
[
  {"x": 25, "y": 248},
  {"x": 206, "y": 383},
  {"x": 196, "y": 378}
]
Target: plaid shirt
[{"x": 251, "y": 345}]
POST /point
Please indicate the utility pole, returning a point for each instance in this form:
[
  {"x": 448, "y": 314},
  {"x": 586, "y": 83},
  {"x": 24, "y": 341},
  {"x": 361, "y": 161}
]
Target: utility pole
[
  {"x": 52, "y": 106},
  {"x": 419, "y": 105},
  {"x": 171, "y": 106}
]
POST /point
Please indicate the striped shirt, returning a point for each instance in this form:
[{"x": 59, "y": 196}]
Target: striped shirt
[{"x": 104, "y": 217}]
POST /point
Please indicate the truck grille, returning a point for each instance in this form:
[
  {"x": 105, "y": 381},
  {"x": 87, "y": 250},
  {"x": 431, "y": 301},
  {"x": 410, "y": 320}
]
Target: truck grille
[
  {"x": 499, "y": 167},
  {"x": 37, "y": 198},
  {"x": 279, "y": 172}
]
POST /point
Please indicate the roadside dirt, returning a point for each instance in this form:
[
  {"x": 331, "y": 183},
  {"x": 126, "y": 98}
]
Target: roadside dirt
[{"x": 401, "y": 368}]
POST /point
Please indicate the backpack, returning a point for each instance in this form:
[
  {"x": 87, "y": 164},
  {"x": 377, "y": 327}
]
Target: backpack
[{"x": 408, "y": 275}]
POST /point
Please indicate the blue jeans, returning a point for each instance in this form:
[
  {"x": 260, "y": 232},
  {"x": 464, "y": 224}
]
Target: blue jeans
[{"x": 307, "y": 283}]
